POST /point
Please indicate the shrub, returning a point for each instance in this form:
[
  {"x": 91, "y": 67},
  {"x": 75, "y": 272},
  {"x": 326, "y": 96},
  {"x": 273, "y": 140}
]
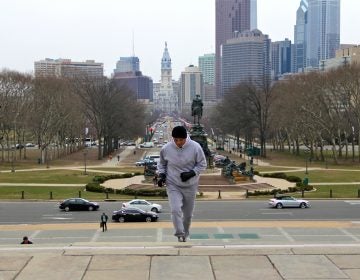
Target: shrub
[
  {"x": 294, "y": 179},
  {"x": 94, "y": 187},
  {"x": 144, "y": 192}
]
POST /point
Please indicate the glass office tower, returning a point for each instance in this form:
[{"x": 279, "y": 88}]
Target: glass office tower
[
  {"x": 300, "y": 37},
  {"x": 232, "y": 16},
  {"x": 323, "y": 31}
]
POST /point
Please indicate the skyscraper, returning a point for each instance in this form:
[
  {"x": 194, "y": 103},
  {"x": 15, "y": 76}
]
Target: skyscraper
[
  {"x": 191, "y": 85},
  {"x": 127, "y": 64},
  {"x": 281, "y": 58},
  {"x": 323, "y": 31},
  {"x": 300, "y": 37},
  {"x": 207, "y": 68},
  {"x": 231, "y": 16},
  {"x": 246, "y": 58},
  {"x": 253, "y": 14}
]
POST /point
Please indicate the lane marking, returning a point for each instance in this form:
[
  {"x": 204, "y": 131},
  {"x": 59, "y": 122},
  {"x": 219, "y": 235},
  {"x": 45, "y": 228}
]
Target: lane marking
[
  {"x": 287, "y": 236},
  {"x": 279, "y": 213},
  {"x": 159, "y": 235},
  {"x": 353, "y": 237},
  {"x": 57, "y": 218},
  {"x": 353, "y": 202},
  {"x": 96, "y": 235},
  {"x": 221, "y": 230},
  {"x": 35, "y": 234}
]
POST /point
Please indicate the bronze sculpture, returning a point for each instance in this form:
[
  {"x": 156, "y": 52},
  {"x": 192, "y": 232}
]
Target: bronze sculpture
[{"x": 197, "y": 108}]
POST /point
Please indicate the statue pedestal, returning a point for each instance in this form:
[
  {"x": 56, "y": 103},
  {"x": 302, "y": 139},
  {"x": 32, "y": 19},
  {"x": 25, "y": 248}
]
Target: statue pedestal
[{"x": 198, "y": 134}]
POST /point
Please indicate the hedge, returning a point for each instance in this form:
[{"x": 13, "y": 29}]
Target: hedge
[{"x": 281, "y": 175}]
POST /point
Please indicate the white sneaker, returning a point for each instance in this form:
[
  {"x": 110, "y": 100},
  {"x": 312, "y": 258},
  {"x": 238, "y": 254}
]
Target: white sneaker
[{"x": 181, "y": 238}]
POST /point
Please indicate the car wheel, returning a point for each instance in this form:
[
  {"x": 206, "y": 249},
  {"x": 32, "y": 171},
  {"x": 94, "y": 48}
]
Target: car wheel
[
  {"x": 148, "y": 219},
  {"x": 91, "y": 208},
  {"x": 302, "y": 205},
  {"x": 67, "y": 209},
  {"x": 154, "y": 209},
  {"x": 279, "y": 206},
  {"x": 121, "y": 219}
]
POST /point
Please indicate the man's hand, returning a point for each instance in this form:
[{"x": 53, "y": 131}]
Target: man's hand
[
  {"x": 161, "y": 180},
  {"x": 187, "y": 175}
]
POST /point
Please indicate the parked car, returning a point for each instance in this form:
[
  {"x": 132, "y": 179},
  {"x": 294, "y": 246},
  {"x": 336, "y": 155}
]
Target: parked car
[
  {"x": 134, "y": 215},
  {"x": 147, "y": 145},
  {"x": 155, "y": 158},
  {"x": 78, "y": 204},
  {"x": 19, "y": 146},
  {"x": 29, "y": 145},
  {"x": 143, "y": 205},
  {"x": 288, "y": 201},
  {"x": 144, "y": 161}
]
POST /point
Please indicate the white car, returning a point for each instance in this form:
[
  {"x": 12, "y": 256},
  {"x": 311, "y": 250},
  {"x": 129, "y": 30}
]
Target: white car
[
  {"x": 147, "y": 145},
  {"x": 143, "y": 205},
  {"x": 288, "y": 201}
]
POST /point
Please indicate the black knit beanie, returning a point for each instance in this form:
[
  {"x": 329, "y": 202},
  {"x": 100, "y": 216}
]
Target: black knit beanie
[{"x": 179, "y": 132}]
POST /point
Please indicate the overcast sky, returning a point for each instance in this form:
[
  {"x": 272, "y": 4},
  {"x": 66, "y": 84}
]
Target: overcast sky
[{"x": 102, "y": 30}]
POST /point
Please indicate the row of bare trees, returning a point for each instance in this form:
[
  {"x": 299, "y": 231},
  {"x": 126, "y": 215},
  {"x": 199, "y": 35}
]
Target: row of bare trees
[
  {"x": 55, "y": 112},
  {"x": 313, "y": 109}
]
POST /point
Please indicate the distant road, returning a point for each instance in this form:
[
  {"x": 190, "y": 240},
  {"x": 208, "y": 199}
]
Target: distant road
[{"x": 48, "y": 212}]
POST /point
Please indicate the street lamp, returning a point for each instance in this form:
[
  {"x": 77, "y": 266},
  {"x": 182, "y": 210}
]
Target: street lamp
[
  {"x": 306, "y": 166},
  {"x": 14, "y": 149},
  {"x": 353, "y": 144},
  {"x": 85, "y": 154},
  {"x": 326, "y": 163}
]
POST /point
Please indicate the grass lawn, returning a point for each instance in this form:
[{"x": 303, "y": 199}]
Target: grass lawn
[
  {"x": 49, "y": 176},
  {"x": 264, "y": 169},
  {"x": 322, "y": 192},
  {"x": 58, "y": 193},
  {"x": 338, "y": 191},
  {"x": 120, "y": 169},
  {"x": 327, "y": 176}
]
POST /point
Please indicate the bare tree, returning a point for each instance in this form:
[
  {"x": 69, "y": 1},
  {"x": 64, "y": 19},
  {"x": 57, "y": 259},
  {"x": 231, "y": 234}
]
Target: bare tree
[{"x": 15, "y": 91}]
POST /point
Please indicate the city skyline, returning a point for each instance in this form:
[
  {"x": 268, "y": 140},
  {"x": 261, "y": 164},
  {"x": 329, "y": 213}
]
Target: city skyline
[{"x": 103, "y": 31}]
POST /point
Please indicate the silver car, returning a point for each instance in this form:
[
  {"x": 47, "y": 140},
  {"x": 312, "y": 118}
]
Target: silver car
[
  {"x": 288, "y": 201},
  {"x": 143, "y": 205}
]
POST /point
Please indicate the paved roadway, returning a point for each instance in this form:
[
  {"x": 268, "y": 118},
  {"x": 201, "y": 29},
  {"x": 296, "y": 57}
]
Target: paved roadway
[{"x": 48, "y": 212}]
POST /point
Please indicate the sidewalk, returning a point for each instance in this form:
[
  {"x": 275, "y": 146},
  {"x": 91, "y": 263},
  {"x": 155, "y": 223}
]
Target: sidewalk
[
  {"x": 279, "y": 252},
  {"x": 154, "y": 261}
]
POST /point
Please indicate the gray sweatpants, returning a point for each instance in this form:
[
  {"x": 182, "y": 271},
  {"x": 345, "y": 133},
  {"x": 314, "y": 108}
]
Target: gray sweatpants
[{"x": 182, "y": 203}]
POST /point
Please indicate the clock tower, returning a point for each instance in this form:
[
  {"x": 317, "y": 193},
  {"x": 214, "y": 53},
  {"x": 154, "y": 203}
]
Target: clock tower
[{"x": 167, "y": 100}]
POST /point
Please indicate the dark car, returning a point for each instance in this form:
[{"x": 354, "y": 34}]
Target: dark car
[
  {"x": 78, "y": 204},
  {"x": 134, "y": 215},
  {"x": 144, "y": 162}
]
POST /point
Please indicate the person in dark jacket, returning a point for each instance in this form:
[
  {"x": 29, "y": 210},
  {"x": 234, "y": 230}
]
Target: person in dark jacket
[
  {"x": 103, "y": 220},
  {"x": 26, "y": 240},
  {"x": 181, "y": 162}
]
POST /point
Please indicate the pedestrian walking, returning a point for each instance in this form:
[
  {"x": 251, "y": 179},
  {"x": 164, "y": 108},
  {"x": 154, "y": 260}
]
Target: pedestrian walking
[
  {"x": 103, "y": 221},
  {"x": 118, "y": 157},
  {"x": 26, "y": 240},
  {"x": 181, "y": 162}
]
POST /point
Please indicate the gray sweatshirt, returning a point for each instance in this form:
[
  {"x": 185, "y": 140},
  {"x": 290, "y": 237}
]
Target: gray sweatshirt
[{"x": 175, "y": 160}]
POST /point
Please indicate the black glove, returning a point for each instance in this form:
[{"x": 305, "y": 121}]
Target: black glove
[
  {"x": 161, "y": 180},
  {"x": 187, "y": 175}
]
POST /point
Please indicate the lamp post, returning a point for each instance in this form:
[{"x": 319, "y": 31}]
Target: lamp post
[
  {"x": 326, "y": 163},
  {"x": 85, "y": 154},
  {"x": 353, "y": 143},
  {"x": 306, "y": 166},
  {"x": 14, "y": 149}
]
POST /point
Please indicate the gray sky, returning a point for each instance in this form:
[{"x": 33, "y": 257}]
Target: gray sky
[{"x": 32, "y": 30}]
